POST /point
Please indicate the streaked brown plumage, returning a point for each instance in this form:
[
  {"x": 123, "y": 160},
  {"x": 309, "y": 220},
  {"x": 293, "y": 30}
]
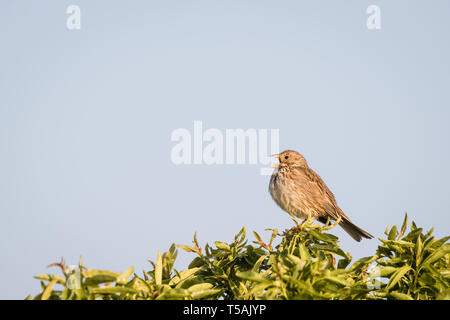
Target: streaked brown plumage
[{"x": 299, "y": 191}]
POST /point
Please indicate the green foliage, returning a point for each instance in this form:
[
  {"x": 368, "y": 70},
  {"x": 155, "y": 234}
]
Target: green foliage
[{"x": 306, "y": 263}]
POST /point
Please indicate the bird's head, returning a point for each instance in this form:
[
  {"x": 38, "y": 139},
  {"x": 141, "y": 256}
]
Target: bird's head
[{"x": 290, "y": 158}]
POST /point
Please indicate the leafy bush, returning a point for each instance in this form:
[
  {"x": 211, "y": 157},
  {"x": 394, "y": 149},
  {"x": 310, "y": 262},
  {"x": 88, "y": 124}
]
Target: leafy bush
[{"x": 307, "y": 263}]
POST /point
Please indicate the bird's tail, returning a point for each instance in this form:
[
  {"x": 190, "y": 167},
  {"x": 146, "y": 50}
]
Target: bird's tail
[{"x": 354, "y": 231}]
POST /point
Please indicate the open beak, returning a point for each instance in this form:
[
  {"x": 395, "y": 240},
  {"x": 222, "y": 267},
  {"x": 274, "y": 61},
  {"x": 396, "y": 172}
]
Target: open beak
[{"x": 275, "y": 165}]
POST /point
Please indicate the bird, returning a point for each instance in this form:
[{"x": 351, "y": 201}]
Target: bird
[{"x": 302, "y": 193}]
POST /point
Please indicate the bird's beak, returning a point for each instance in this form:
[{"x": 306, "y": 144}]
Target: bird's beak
[{"x": 275, "y": 165}]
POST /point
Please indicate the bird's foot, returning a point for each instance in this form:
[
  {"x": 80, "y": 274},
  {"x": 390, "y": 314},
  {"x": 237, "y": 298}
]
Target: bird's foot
[{"x": 294, "y": 228}]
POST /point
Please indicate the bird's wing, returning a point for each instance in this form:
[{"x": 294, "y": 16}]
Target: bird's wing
[{"x": 317, "y": 193}]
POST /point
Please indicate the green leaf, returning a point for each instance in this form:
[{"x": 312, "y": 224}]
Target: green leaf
[
  {"x": 241, "y": 234},
  {"x": 438, "y": 243},
  {"x": 252, "y": 276},
  {"x": 123, "y": 278},
  {"x": 392, "y": 233},
  {"x": 415, "y": 232},
  {"x": 174, "y": 294},
  {"x": 113, "y": 290},
  {"x": 296, "y": 260},
  {"x": 444, "y": 295},
  {"x": 257, "y": 236},
  {"x": 205, "y": 293},
  {"x": 273, "y": 236},
  {"x": 336, "y": 280},
  {"x": 386, "y": 271},
  {"x": 404, "y": 225},
  {"x": 386, "y": 231},
  {"x": 158, "y": 269},
  {"x": 186, "y": 248},
  {"x": 303, "y": 251},
  {"x": 183, "y": 275},
  {"x": 140, "y": 285},
  {"x": 200, "y": 287},
  {"x": 332, "y": 248},
  {"x": 49, "y": 277},
  {"x": 325, "y": 237},
  {"x": 437, "y": 276},
  {"x": 419, "y": 250},
  {"x": 397, "y": 276},
  {"x": 438, "y": 254},
  {"x": 94, "y": 277},
  {"x": 222, "y": 245},
  {"x": 48, "y": 290},
  {"x": 427, "y": 279},
  {"x": 343, "y": 263},
  {"x": 358, "y": 264},
  {"x": 65, "y": 293},
  {"x": 400, "y": 296},
  {"x": 197, "y": 262},
  {"x": 398, "y": 243},
  {"x": 258, "y": 262}
]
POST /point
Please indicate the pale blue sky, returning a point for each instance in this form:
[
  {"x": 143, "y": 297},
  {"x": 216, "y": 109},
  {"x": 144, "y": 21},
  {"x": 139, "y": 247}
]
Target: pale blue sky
[{"x": 86, "y": 118}]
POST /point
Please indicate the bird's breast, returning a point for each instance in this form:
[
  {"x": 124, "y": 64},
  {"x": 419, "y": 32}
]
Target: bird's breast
[{"x": 285, "y": 193}]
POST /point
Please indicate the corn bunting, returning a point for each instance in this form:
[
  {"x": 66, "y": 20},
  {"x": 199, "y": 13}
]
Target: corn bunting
[{"x": 299, "y": 191}]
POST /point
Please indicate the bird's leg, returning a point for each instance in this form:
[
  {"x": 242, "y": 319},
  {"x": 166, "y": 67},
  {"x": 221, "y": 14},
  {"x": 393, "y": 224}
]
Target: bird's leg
[
  {"x": 302, "y": 223},
  {"x": 299, "y": 227},
  {"x": 296, "y": 227}
]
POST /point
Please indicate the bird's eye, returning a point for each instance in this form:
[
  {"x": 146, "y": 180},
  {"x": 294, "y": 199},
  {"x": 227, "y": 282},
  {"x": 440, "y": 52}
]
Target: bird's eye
[{"x": 286, "y": 157}]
